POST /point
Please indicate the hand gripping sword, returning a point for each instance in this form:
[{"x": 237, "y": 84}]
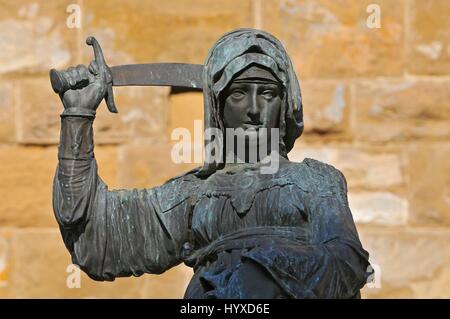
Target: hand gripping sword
[{"x": 177, "y": 75}]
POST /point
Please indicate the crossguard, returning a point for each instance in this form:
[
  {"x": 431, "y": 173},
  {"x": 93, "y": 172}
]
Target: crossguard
[{"x": 60, "y": 83}]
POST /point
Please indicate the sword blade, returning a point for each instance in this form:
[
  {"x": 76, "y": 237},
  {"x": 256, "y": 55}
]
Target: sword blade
[{"x": 181, "y": 75}]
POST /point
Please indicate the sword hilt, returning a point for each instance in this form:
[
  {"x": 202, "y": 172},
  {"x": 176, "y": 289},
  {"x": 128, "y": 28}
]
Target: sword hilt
[{"x": 60, "y": 82}]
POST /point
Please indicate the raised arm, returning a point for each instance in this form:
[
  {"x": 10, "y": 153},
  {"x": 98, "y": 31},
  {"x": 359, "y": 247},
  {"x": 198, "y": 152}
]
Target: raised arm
[{"x": 111, "y": 233}]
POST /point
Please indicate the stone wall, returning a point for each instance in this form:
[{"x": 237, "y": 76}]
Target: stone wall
[{"x": 376, "y": 103}]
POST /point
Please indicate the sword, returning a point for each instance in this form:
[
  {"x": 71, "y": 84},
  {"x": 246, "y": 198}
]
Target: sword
[{"x": 177, "y": 75}]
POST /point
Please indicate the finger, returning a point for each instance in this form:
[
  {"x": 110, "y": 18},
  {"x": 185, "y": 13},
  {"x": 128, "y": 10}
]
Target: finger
[
  {"x": 93, "y": 68},
  {"x": 83, "y": 72},
  {"x": 77, "y": 77},
  {"x": 71, "y": 76}
]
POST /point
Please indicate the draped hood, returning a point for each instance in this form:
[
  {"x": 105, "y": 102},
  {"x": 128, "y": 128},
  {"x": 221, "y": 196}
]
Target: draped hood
[{"x": 231, "y": 54}]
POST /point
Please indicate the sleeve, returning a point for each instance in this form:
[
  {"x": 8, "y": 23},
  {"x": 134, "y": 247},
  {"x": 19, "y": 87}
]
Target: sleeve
[
  {"x": 333, "y": 264},
  {"x": 120, "y": 232}
]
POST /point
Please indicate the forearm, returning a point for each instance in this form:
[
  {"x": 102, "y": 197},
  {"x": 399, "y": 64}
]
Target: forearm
[{"x": 76, "y": 166}]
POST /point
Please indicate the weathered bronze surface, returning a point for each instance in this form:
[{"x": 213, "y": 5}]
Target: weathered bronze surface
[
  {"x": 288, "y": 234},
  {"x": 177, "y": 75}
]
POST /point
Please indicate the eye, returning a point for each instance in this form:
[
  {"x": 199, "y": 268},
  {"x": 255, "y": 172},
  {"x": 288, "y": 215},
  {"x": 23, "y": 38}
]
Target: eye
[
  {"x": 237, "y": 94},
  {"x": 269, "y": 94}
]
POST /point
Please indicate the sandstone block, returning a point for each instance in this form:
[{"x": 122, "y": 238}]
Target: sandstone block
[
  {"x": 412, "y": 263},
  {"x": 429, "y": 183},
  {"x": 34, "y": 36},
  {"x": 27, "y": 180},
  {"x": 154, "y": 31},
  {"x": 326, "y": 107},
  {"x": 329, "y": 38},
  {"x": 364, "y": 168},
  {"x": 429, "y": 40},
  {"x": 39, "y": 269},
  {"x": 7, "y": 113},
  {"x": 142, "y": 113},
  {"x": 401, "y": 110},
  {"x": 378, "y": 208},
  {"x": 148, "y": 165}
]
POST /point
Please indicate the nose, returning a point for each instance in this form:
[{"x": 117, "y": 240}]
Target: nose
[{"x": 253, "y": 108}]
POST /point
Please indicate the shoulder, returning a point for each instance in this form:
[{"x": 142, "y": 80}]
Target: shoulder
[
  {"x": 178, "y": 189},
  {"x": 331, "y": 173},
  {"x": 318, "y": 176}
]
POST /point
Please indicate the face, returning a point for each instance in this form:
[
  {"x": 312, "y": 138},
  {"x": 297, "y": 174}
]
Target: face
[
  {"x": 249, "y": 106},
  {"x": 252, "y": 105}
]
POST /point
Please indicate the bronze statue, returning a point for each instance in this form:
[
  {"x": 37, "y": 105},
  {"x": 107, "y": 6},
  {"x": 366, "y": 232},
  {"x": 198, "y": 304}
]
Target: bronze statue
[{"x": 247, "y": 234}]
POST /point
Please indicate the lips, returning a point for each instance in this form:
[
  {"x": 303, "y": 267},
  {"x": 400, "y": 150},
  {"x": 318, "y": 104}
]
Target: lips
[{"x": 254, "y": 125}]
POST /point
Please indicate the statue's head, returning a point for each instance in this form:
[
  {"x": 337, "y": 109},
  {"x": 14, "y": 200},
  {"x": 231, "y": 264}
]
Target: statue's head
[
  {"x": 250, "y": 83},
  {"x": 252, "y": 99}
]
